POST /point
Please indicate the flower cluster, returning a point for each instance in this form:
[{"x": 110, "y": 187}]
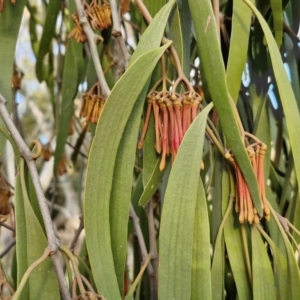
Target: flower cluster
[
  {"x": 244, "y": 204},
  {"x": 92, "y": 104},
  {"x": 99, "y": 17},
  {"x": 77, "y": 32},
  {"x": 173, "y": 114}
]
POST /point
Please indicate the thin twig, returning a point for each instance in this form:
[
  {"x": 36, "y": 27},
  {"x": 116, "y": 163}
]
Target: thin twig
[
  {"x": 74, "y": 263},
  {"x": 28, "y": 272},
  {"x": 140, "y": 237},
  {"x": 75, "y": 148},
  {"x": 7, "y": 226},
  {"x": 6, "y": 250},
  {"x": 53, "y": 242},
  {"x": 92, "y": 39},
  {"x": 77, "y": 234},
  {"x": 283, "y": 221},
  {"x": 293, "y": 241}
]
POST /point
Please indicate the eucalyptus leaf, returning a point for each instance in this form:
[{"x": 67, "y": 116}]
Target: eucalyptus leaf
[
  {"x": 178, "y": 215},
  {"x": 285, "y": 90},
  {"x": 152, "y": 36},
  {"x": 201, "y": 273},
  {"x": 234, "y": 246},
  {"x": 100, "y": 169},
  {"x": 241, "y": 21},
  {"x": 214, "y": 72},
  {"x": 30, "y": 245},
  {"x": 122, "y": 188},
  {"x": 69, "y": 90},
  {"x": 47, "y": 36},
  {"x": 263, "y": 279}
]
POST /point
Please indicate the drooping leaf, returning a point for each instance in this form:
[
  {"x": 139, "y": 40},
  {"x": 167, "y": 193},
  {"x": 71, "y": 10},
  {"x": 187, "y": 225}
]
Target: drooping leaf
[
  {"x": 280, "y": 268},
  {"x": 241, "y": 21},
  {"x": 153, "y": 6},
  {"x": 101, "y": 165},
  {"x": 285, "y": 90},
  {"x": 152, "y": 185},
  {"x": 177, "y": 221},
  {"x": 175, "y": 34},
  {"x": 186, "y": 26},
  {"x": 234, "y": 246},
  {"x": 151, "y": 38},
  {"x": 10, "y": 20},
  {"x": 30, "y": 245},
  {"x": 293, "y": 274},
  {"x": 218, "y": 263},
  {"x": 277, "y": 17},
  {"x": 213, "y": 67},
  {"x": 262, "y": 274},
  {"x": 69, "y": 90},
  {"x": 201, "y": 273},
  {"x": 122, "y": 187},
  {"x": 47, "y": 36}
]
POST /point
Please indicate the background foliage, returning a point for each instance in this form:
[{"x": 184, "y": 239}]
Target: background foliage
[{"x": 167, "y": 148}]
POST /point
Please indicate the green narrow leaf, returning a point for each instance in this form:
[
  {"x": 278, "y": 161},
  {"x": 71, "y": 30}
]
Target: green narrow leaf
[
  {"x": 150, "y": 156},
  {"x": 10, "y": 20},
  {"x": 241, "y": 22},
  {"x": 293, "y": 270},
  {"x": 217, "y": 195},
  {"x": 69, "y": 90},
  {"x": 152, "y": 36},
  {"x": 186, "y": 26},
  {"x": 122, "y": 187},
  {"x": 214, "y": 72},
  {"x": 175, "y": 34},
  {"x": 100, "y": 169},
  {"x": 47, "y": 35},
  {"x": 153, "y": 184},
  {"x": 291, "y": 60},
  {"x": 177, "y": 221},
  {"x": 262, "y": 274},
  {"x": 153, "y": 6},
  {"x": 30, "y": 245},
  {"x": 201, "y": 274},
  {"x": 285, "y": 90},
  {"x": 277, "y": 12},
  {"x": 33, "y": 199},
  {"x": 262, "y": 125},
  {"x": 280, "y": 268},
  {"x": 218, "y": 263},
  {"x": 148, "y": 152},
  {"x": 234, "y": 246}
]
